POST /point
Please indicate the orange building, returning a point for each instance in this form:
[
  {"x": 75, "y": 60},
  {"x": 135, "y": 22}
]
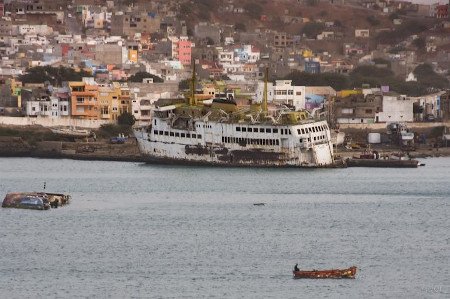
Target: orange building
[{"x": 83, "y": 98}]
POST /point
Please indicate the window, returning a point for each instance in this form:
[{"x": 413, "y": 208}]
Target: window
[
  {"x": 238, "y": 129},
  {"x": 244, "y": 129},
  {"x": 199, "y": 136},
  {"x": 194, "y": 135},
  {"x": 166, "y": 133},
  {"x": 268, "y": 130},
  {"x": 177, "y": 134},
  {"x": 250, "y": 129},
  {"x": 188, "y": 135},
  {"x": 261, "y": 130},
  {"x": 298, "y": 131},
  {"x": 275, "y": 130},
  {"x": 155, "y": 132},
  {"x": 183, "y": 135},
  {"x": 171, "y": 134}
]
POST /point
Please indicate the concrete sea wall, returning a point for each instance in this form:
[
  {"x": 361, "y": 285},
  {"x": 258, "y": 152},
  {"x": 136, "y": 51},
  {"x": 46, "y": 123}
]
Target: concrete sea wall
[{"x": 52, "y": 122}]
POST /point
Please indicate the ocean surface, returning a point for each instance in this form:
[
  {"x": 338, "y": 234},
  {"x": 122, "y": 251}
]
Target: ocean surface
[{"x": 153, "y": 231}]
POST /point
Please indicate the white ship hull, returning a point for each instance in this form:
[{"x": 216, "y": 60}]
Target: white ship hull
[{"x": 238, "y": 144}]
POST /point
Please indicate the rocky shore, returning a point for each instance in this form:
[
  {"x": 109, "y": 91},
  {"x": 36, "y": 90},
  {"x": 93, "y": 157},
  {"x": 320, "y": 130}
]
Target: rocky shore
[{"x": 41, "y": 143}]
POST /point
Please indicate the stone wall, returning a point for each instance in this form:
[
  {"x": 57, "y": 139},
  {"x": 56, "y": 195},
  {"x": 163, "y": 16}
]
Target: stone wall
[{"x": 51, "y": 122}]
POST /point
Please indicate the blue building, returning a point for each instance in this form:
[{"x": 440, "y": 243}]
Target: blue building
[{"x": 312, "y": 67}]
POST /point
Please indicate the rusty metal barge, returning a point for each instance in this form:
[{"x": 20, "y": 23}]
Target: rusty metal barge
[
  {"x": 35, "y": 200},
  {"x": 321, "y": 274},
  {"x": 220, "y": 133}
]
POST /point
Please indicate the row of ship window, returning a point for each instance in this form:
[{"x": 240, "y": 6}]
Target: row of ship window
[
  {"x": 234, "y": 139},
  {"x": 177, "y": 134},
  {"x": 263, "y": 130},
  {"x": 250, "y": 141},
  {"x": 307, "y": 130},
  {"x": 311, "y": 129},
  {"x": 315, "y": 138}
]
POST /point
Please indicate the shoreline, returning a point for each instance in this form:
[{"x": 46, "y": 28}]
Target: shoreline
[{"x": 340, "y": 155}]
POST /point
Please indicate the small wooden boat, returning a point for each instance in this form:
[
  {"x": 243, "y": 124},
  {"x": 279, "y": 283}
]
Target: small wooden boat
[
  {"x": 71, "y": 132},
  {"x": 334, "y": 273}
]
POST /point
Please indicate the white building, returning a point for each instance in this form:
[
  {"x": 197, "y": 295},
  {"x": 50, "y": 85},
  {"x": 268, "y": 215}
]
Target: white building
[
  {"x": 141, "y": 106},
  {"x": 34, "y": 29},
  {"x": 48, "y": 107},
  {"x": 396, "y": 108},
  {"x": 226, "y": 57},
  {"x": 283, "y": 92}
]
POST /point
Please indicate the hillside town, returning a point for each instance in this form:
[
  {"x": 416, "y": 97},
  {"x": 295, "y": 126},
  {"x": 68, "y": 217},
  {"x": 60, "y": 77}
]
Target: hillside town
[{"x": 94, "y": 60}]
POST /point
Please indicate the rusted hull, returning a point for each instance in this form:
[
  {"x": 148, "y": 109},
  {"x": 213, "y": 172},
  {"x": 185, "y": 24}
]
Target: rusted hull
[
  {"x": 189, "y": 154},
  {"x": 172, "y": 161},
  {"x": 335, "y": 273}
]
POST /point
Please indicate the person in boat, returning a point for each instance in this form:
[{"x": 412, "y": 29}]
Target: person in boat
[{"x": 296, "y": 269}]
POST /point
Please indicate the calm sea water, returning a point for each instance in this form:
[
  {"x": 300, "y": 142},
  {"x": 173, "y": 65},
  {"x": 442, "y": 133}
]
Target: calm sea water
[{"x": 136, "y": 230}]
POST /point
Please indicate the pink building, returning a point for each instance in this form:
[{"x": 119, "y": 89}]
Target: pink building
[{"x": 185, "y": 51}]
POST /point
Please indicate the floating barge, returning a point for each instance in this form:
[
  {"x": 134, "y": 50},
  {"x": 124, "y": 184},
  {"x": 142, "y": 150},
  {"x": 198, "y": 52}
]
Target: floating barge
[
  {"x": 389, "y": 163},
  {"x": 320, "y": 274},
  {"x": 35, "y": 200},
  {"x": 371, "y": 158}
]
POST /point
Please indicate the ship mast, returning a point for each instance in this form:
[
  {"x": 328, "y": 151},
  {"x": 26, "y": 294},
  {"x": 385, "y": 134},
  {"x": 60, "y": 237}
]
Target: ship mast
[
  {"x": 264, "y": 103},
  {"x": 192, "y": 101}
]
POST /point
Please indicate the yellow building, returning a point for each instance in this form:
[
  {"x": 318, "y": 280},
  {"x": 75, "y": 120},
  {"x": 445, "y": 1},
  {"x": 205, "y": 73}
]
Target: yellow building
[
  {"x": 92, "y": 101},
  {"x": 108, "y": 97},
  {"x": 114, "y": 100},
  {"x": 133, "y": 56},
  {"x": 348, "y": 92},
  {"x": 124, "y": 99}
]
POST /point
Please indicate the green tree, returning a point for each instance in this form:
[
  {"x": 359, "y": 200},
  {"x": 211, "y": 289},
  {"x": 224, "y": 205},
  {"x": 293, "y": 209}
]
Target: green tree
[
  {"x": 427, "y": 76},
  {"x": 372, "y": 71},
  {"x": 140, "y": 76},
  {"x": 373, "y": 21},
  {"x": 401, "y": 33},
  {"x": 394, "y": 16},
  {"x": 54, "y": 75},
  {"x": 253, "y": 10},
  {"x": 126, "y": 119},
  {"x": 420, "y": 44},
  {"x": 312, "y": 29},
  {"x": 336, "y": 81},
  {"x": 184, "y": 84},
  {"x": 240, "y": 27}
]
